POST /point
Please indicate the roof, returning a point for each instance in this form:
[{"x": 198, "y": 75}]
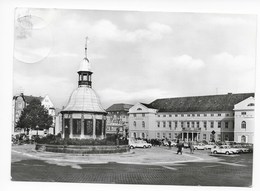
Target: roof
[
  {"x": 84, "y": 99},
  {"x": 148, "y": 105},
  {"x": 28, "y": 99},
  {"x": 119, "y": 107},
  {"x": 224, "y": 102}
]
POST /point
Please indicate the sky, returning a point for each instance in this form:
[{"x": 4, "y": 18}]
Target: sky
[{"x": 135, "y": 56}]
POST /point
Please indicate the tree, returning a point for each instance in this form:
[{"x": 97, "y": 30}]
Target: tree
[{"x": 34, "y": 115}]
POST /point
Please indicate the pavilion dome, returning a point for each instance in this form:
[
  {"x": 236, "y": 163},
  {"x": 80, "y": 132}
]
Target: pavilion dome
[{"x": 84, "y": 99}]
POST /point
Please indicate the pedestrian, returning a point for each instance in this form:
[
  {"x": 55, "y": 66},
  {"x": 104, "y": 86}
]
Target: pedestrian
[
  {"x": 169, "y": 142},
  {"x": 179, "y": 147},
  {"x": 191, "y": 146}
]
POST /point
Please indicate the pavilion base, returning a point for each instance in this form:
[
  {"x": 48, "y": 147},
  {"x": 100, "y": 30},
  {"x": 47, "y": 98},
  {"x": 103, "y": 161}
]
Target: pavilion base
[{"x": 76, "y": 149}]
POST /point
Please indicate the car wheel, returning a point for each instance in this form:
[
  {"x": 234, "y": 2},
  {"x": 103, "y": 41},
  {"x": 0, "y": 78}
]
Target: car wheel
[
  {"x": 132, "y": 147},
  {"x": 149, "y": 146},
  {"x": 215, "y": 152},
  {"x": 227, "y": 153},
  {"x": 144, "y": 146},
  {"x": 196, "y": 148}
]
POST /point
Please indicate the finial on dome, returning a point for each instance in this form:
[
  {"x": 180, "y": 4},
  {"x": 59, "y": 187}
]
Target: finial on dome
[{"x": 86, "y": 47}]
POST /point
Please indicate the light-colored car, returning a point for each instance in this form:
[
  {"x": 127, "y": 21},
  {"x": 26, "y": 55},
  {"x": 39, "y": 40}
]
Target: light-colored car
[
  {"x": 210, "y": 145},
  {"x": 139, "y": 144},
  {"x": 166, "y": 143},
  {"x": 223, "y": 149},
  {"x": 200, "y": 146}
]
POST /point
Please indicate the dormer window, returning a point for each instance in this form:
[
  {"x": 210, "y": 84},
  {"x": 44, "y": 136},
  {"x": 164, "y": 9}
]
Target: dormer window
[
  {"x": 139, "y": 109},
  {"x": 251, "y": 104}
]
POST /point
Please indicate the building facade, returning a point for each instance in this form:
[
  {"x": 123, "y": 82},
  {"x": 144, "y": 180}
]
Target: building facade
[
  {"x": 199, "y": 118},
  {"x": 84, "y": 117},
  {"x": 21, "y": 101},
  {"x": 244, "y": 120},
  {"x": 117, "y": 119}
]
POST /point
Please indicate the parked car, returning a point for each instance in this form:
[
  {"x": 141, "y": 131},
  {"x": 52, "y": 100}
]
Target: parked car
[
  {"x": 139, "y": 144},
  {"x": 200, "y": 146},
  {"x": 210, "y": 145},
  {"x": 166, "y": 143},
  {"x": 224, "y": 149}
]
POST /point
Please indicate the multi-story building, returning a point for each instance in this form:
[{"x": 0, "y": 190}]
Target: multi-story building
[
  {"x": 21, "y": 101},
  {"x": 196, "y": 118},
  {"x": 244, "y": 120},
  {"x": 117, "y": 119}
]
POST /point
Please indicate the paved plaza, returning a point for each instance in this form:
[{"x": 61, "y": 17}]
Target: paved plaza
[{"x": 155, "y": 166}]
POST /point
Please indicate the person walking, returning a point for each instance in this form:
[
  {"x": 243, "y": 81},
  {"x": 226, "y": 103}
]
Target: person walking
[
  {"x": 179, "y": 146},
  {"x": 191, "y": 146}
]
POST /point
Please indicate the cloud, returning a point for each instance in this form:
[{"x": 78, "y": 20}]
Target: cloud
[
  {"x": 187, "y": 62},
  {"x": 234, "y": 62},
  {"x": 106, "y": 30}
]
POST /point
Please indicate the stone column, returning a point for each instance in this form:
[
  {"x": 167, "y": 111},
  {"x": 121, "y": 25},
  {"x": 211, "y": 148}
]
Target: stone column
[
  {"x": 71, "y": 126},
  {"x": 102, "y": 129},
  {"x": 63, "y": 125},
  {"x": 182, "y": 135},
  {"x": 82, "y": 126},
  {"x": 94, "y": 127}
]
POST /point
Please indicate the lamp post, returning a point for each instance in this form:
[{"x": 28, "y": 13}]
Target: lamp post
[{"x": 37, "y": 127}]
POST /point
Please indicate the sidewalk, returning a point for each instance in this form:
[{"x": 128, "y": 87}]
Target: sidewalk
[{"x": 151, "y": 156}]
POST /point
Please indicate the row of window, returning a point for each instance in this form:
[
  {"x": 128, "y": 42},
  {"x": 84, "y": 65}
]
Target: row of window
[
  {"x": 193, "y": 115},
  {"x": 189, "y": 124}
]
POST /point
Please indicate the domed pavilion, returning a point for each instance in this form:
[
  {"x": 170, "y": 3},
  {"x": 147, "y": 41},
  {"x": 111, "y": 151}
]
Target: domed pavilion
[{"x": 84, "y": 117}]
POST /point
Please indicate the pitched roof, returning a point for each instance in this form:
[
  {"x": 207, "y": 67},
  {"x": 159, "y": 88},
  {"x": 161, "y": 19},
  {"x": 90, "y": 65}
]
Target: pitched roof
[
  {"x": 224, "y": 102},
  {"x": 28, "y": 99},
  {"x": 119, "y": 107},
  {"x": 148, "y": 106}
]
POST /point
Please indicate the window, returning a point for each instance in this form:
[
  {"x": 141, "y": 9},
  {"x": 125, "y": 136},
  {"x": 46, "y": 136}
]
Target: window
[
  {"x": 143, "y": 115},
  {"x": 182, "y": 124},
  {"x": 163, "y": 135},
  {"x": 170, "y": 135},
  {"x": 139, "y": 109},
  {"x": 164, "y": 124},
  {"x": 143, "y": 136},
  {"x": 193, "y": 115},
  {"x": 76, "y": 127},
  {"x": 198, "y": 114},
  {"x": 182, "y": 115},
  {"x": 164, "y": 115},
  {"x": 134, "y": 123},
  {"x": 243, "y": 113},
  {"x": 226, "y": 124},
  {"x": 212, "y": 114},
  {"x": 188, "y": 124},
  {"x": 158, "y": 124},
  {"x": 188, "y": 115},
  {"x": 204, "y": 136},
  {"x": 170, "y": 115},
  {"x": 176, "y": 115},
  {"x": 198, "y": 124},
  {"x": 192, "y": 124},
  {"x": 205, "y": 114},
  {"x": 243, "y": 139},
  {"x": 158, "y": 135},
  {"x": 205, "y": 124},
  {"x": 219, "y": 137},
  {"x": 243, "y": 125},
  {"x": 219, "y": 114},
  {"x": 170, "y": 124},
  {"x": 251, "y": 104},
  {"x": 143, "y": 123},
  {"x": 211, "y": 124},
  {"x": 219, "y": 124},
  {"x": 176, "y": 124},
  {"x": 227, "y": 114},
  {"x": 158, "y": 115}
]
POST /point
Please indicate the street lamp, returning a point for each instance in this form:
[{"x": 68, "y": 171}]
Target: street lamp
[{"x": 37, "y": 127}]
